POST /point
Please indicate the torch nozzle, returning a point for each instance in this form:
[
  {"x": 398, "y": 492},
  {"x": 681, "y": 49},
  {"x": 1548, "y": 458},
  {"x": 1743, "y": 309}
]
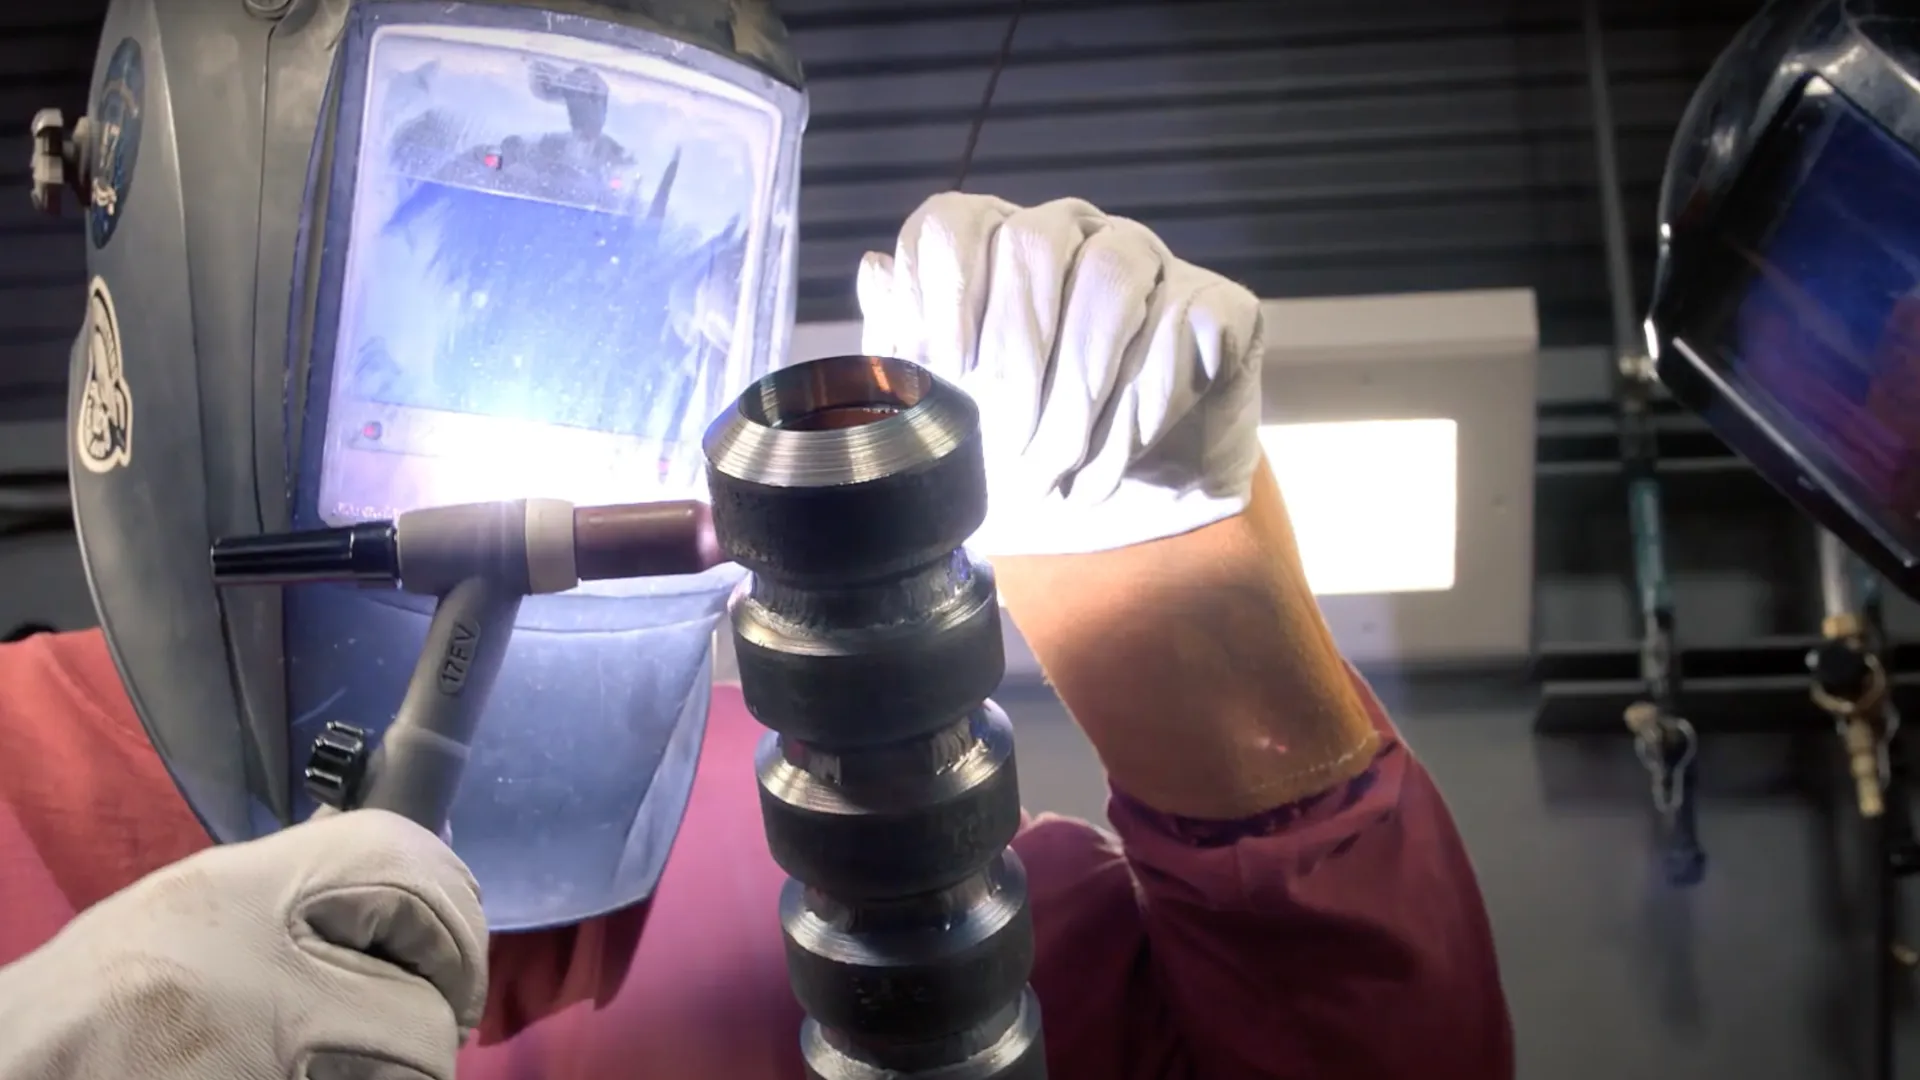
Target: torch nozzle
[{"x": 644, "y": 540}]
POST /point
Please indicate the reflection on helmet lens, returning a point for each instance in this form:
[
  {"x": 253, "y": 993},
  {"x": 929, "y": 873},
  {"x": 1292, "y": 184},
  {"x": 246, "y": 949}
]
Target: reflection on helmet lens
[
  {"x": 1819, "y": 329},
  {"x": 549, "y": 280}
]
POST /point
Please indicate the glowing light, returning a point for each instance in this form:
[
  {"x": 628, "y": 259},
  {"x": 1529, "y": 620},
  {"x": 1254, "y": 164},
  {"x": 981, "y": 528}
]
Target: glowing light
[{"x": 1373, "y": 502}]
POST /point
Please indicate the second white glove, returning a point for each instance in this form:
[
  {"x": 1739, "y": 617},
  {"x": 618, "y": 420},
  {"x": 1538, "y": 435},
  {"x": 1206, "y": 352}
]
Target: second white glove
[
  {"x": 346, "y": 948},
  {"x": 1118, "y": 386}
]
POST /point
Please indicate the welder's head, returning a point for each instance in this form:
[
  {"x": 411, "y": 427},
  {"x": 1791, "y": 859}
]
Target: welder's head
[
  {"x": 1786, "y": 306},
  {"x": 354, "y": 257}
]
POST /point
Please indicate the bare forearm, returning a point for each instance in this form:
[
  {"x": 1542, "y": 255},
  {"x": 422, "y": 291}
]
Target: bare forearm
[{"x": 1198, "y": 665}]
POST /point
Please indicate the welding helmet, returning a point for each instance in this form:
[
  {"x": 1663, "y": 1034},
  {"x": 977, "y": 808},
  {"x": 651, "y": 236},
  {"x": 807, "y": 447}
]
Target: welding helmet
[
  {"x": 1786, "y": 305},
  {"x": 354, "y": 257}
]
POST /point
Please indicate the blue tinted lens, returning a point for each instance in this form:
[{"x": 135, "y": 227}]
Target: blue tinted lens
[{"x": 1824, "y": 339}]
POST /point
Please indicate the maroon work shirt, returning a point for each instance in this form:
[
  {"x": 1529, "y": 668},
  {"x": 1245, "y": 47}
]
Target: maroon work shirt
[{"x": 1340, "y": 938}]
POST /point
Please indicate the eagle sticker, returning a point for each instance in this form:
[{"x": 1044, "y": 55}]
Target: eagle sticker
[
  {"x": 103, "y": 432},
  {"x": 115, "y": 122}
]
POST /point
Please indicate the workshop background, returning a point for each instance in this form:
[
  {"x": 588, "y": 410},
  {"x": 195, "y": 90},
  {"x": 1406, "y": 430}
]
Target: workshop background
[{"x": 1319, "y": 148}]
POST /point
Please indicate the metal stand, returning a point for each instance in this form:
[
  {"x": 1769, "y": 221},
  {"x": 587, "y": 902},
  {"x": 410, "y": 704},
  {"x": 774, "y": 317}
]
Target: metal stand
[
  {"x": 1667, "y": 744},
  {"x": 1850, "y": 685}
]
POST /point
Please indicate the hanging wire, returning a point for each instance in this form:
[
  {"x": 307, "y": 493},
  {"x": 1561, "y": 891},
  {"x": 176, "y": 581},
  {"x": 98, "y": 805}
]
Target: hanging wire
[{"x": 986, "y": 99}]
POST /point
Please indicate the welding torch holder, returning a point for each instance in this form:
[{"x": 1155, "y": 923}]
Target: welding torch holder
[
  {"x": 479, "y": 561},
  {"x": 415, "y": 768}
]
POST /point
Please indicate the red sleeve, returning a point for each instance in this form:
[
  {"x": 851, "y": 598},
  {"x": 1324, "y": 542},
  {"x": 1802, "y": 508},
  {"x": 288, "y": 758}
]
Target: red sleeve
[
  {"x": 86, "y": 808},
  {"x": 1344, "y": 936}
]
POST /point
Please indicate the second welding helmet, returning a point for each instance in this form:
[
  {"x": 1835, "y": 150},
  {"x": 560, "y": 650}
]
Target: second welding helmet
[
  {"x": 1786, "y": 306},
  {"x": 349, "y": 259}
]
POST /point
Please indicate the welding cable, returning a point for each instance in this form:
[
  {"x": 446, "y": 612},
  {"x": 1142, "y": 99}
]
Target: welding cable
[{"x": 986, "y": 98}]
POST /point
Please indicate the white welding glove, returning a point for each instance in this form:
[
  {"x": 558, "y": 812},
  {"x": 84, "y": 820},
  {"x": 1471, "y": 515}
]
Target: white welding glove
[
  {"x": 1118, "y": 387},
  {"x": 346, "y": 948}
]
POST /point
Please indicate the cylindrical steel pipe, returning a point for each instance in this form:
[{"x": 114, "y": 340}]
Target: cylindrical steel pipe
[
  {"x": 1837, "y": 590},
  {"x": 868, "y": 642}
]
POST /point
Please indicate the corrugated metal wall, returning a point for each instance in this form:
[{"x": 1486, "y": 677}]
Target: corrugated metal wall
[
  {"x": 46, "y": 59},
  {"x": 1303, "y": 146}
]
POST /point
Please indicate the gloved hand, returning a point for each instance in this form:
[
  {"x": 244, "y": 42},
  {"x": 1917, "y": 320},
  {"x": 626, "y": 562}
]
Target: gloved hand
[
  {"x": 1119, "y": 387},
  {"x": 348, "y": 947}
]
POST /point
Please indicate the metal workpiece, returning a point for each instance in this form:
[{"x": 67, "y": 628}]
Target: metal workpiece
[
  {"x": 895, "y": 820},
  {"x": 844, "y": 471},
  {"x": 868, "y": 642}
]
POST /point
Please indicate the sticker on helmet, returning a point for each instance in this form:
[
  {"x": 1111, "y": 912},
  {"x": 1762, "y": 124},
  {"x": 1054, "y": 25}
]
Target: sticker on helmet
[
  {"x": 103, "y": 432},
  {"x": 116, "y": 140}
]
